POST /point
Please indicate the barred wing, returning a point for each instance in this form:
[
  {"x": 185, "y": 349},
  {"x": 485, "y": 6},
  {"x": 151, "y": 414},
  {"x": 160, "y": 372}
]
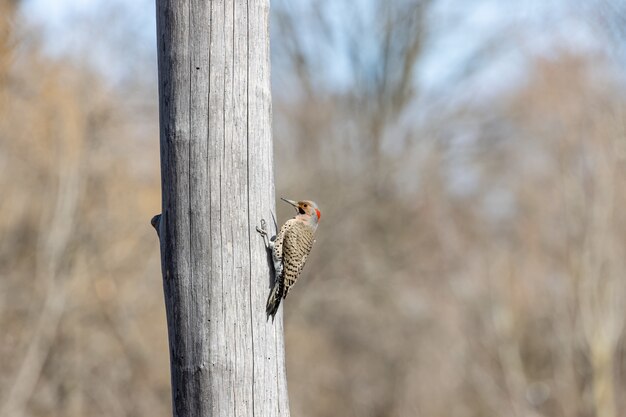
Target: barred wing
[{"x": 297, "y": 243}]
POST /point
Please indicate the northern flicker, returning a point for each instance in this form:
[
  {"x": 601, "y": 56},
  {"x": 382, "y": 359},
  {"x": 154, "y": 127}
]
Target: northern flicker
[{"x": 290, "y": 249}]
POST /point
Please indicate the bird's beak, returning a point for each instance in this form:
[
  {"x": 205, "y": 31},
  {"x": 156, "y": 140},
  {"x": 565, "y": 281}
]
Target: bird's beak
[{"x": 293, "y": 203}]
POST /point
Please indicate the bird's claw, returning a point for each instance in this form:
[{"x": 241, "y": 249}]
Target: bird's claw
[{"x": 262, "y": 230}]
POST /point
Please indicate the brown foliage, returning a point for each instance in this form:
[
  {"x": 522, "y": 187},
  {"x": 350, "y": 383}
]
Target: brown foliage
[{"x": 505, "y": 299}]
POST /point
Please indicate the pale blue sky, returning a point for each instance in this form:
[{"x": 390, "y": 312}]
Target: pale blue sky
[
  {"x": 116, "y": 37},
  {"x": 463, "y": 33}
]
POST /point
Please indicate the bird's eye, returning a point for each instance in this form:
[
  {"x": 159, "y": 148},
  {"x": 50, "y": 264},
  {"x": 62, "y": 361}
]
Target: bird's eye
[{"x": 306, "y": 205}]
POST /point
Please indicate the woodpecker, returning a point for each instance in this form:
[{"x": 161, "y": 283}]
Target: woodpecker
[{"x": 290, "y": 249}]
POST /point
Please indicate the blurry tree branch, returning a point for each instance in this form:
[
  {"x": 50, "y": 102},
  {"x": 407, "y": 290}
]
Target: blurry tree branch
[
  {"x": 7, "y": 38},
  {"x": 55, "y": 229}
]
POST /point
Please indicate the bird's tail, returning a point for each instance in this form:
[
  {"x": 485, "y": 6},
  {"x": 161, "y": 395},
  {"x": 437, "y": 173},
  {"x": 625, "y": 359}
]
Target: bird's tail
[{"x": 273, "y": 301}]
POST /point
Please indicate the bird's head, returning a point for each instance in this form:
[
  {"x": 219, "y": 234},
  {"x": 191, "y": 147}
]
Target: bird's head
[{"x": 307, "y": 210}]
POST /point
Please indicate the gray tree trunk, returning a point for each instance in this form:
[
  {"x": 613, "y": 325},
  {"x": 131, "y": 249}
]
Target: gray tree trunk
[{"x": 226, "y": 359}]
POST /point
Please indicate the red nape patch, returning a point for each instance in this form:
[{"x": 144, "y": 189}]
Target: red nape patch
[{"x": 319, "y": 215}]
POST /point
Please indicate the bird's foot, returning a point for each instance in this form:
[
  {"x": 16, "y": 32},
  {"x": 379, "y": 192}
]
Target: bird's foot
[
  {"x": 261, "y": 229},
  {"x": 263, "y": 232}
]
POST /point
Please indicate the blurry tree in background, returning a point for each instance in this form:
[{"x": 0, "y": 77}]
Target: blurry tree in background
[
  {"x": 80, "y": 335},
  {"x": 471, "y": 256},
  {"x": 471, "y": 253}
]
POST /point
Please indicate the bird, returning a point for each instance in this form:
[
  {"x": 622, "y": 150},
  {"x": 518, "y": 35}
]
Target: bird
[{"x": 290, "y": 249}]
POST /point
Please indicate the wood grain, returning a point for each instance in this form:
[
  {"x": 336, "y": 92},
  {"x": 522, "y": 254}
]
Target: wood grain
[{"x": 226, "y": 359}]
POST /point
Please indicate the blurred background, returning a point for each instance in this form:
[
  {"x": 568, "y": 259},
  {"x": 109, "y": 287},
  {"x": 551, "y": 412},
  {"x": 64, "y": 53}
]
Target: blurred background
[{"x": 469, "y": 158}]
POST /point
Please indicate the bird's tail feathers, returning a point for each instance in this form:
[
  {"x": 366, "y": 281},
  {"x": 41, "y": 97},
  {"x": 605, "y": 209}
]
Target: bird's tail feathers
[{"x": 273, "y": 301}]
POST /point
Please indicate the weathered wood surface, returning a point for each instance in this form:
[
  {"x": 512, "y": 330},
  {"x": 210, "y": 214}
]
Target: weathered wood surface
[{"x": 217, "y": 178}]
